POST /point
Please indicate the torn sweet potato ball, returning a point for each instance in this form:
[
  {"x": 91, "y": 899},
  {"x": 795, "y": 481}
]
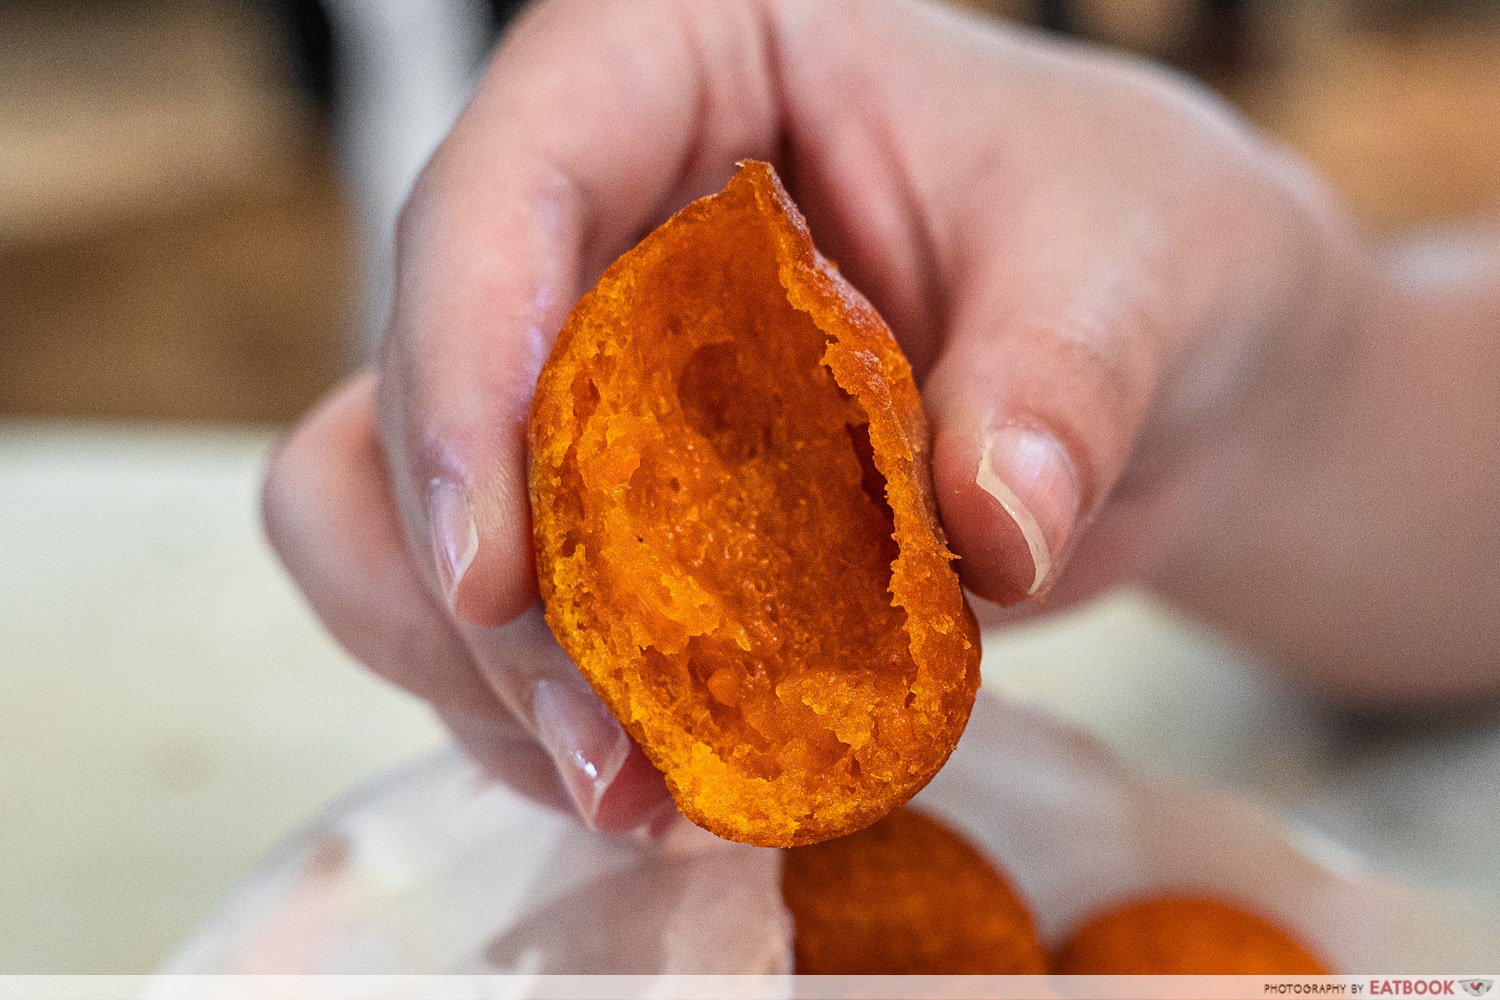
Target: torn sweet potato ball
[
  {"x": 736, "y": 535},
  {"x": 907, "y": 896}
]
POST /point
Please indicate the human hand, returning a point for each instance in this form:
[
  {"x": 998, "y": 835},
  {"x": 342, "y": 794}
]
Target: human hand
[{"x": 1115, "y": 296}]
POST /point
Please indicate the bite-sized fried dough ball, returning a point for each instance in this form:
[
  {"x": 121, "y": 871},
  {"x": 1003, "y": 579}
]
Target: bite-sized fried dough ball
[
  {"x": 1182, "y": 935},
  {"x": 906, "y": 896},
  {"x": 736, "y": 535}
]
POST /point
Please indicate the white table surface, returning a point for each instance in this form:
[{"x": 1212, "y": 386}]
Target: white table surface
[{"x": 169, "y": 708}]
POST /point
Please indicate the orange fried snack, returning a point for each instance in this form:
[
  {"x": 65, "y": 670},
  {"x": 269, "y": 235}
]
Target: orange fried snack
[
  {"x": 735, "y": 530},
  {"x": 906, "y": 896},
  {"x": 1181, "y": 936}
]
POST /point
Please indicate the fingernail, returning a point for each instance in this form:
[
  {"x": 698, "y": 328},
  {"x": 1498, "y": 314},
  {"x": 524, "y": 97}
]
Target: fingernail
[
  {"x": 1032, "y": 477},
  {"x": 455, "y": 538},
  {"x": 585, "y": 742}
]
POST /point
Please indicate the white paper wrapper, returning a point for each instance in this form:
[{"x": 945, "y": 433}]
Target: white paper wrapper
[{"x": 435, "y": 870}]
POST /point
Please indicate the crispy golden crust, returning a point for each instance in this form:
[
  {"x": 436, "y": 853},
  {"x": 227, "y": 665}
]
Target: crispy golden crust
[
  {"x": 736, "y": 535},
  {"x": 906, "y": 896},
  {"x": 1183, "y": 936}
]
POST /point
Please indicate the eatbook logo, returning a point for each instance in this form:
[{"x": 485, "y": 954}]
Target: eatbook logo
[{"x": 1477, "y": 987}]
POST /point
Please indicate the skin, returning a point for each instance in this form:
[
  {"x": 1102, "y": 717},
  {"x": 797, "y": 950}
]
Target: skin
[{"x": 1152, "y": 348}]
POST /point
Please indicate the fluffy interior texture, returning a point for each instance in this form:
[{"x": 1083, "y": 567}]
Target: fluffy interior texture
[{"x": 717, "y": 541}]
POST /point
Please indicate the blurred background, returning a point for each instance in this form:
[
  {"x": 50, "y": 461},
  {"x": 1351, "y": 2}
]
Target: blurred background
[
  {"x": 196, "y": 198},
  {"x": 197, "y": 193}
]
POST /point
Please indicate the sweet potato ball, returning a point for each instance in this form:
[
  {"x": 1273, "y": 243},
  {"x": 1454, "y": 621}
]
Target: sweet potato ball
[
  {"x": 1183, "y": 936},
  {"x": 736, "y": 536},
  {"x": 906, "y": 896}
]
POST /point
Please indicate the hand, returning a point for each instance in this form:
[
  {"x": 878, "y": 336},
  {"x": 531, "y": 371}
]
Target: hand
[{"x": 1123, "y": 307}]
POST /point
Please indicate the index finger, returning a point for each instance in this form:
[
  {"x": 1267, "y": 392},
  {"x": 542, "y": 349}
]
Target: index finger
[{"x": 592, "y": 121}]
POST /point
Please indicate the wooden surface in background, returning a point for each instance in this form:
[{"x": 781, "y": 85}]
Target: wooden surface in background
[
  {"x": 1403, "y": 119},
  {"x": 236, "y": 308},
  {"x": 174, "y": 242}
]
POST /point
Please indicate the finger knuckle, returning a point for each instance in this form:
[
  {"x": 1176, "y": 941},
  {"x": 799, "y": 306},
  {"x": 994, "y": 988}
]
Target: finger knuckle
[{"x": 1115, "y": 364}]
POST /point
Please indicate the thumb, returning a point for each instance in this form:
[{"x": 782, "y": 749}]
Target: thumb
[{"x": 1035, "y": 404}]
